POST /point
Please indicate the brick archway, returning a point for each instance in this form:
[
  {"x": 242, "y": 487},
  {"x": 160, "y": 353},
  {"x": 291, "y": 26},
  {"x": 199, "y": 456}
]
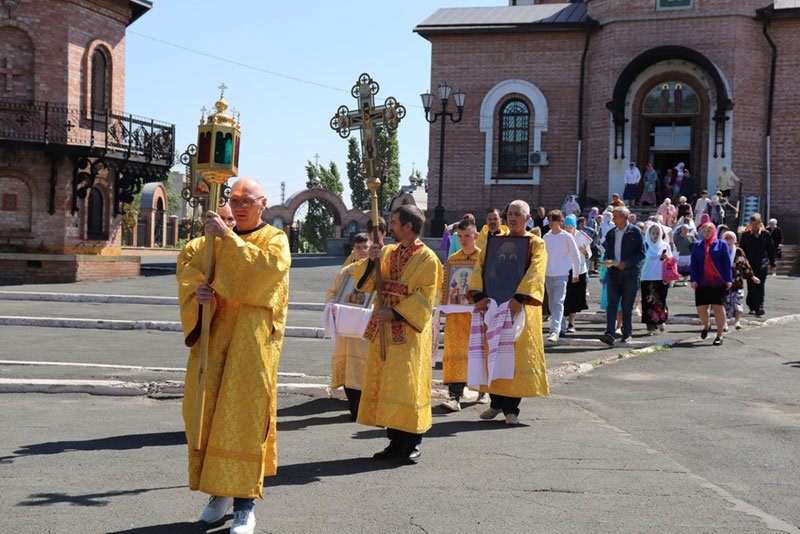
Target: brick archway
[{"x": 341, "y": 215}]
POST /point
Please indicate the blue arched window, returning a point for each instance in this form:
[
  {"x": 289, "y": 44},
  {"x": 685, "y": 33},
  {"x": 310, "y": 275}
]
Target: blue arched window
[{"x": 514, "y": 135}]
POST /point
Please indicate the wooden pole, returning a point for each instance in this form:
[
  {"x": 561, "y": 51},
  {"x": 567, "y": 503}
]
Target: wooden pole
[
  {"x": 200, "y": 404},
  {"x": 373, "y": 184}
]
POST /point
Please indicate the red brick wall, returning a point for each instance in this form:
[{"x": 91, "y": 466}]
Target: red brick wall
[
  {"x": 726, "y": 32},
  {"x": 25, "y": 271}
]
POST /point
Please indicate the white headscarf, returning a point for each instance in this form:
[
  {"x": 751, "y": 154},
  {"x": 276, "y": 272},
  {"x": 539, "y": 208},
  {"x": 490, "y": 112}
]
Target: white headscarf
[
  {"x": 659, "y": 245},
  {"x": 731, "y": 251},
  {"x": 606, "y": 226}
]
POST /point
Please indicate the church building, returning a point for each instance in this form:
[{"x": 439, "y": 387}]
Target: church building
[
  {"x": 562, "y": 97},
  {"x": 70, "y": 156}
]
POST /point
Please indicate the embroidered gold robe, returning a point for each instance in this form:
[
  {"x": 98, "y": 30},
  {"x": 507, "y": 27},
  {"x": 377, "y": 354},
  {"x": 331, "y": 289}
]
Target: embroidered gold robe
[
  {"x": 456, "y": 330},
  {"x": 483, "y": 236},
  {"x": 251, "y": 287},
  {"x": 397, "y": 392},
  {"x": 349, "y": 353},
  {"x": 530, "y": 374}
]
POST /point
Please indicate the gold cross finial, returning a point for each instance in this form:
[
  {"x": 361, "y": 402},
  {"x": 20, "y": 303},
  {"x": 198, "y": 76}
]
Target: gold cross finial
[{"x": 222, "y": 88}]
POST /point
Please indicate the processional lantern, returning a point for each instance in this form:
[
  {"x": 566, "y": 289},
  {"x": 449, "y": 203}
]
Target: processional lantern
[{"x": 218, "y": 139}]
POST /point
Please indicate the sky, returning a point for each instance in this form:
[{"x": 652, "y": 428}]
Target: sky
[{"x": 288, "y": 67}]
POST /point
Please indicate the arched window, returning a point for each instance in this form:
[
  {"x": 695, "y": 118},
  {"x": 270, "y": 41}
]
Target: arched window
[
  {"x": 514, "y": 127},
  {"x": 94, "y": 222},
  {"x": 99, "y": 82}
]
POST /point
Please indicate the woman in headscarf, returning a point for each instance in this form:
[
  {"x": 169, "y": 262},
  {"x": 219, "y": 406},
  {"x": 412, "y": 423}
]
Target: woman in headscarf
[
  {"x": 571, "y": 207},
  {"x": 667, "y": 212},
  {"x": 715, "y": 211},
  {"x": 711, "y": 277},
  {"x": 649, "y": 188},
  {"x": 575, "y": 299},
  {"x": 654, "y": 290},
  {"x": 677, "y": 179},
  {"x": 684, "y": 209},
  {"x": 741, "y": 271}
]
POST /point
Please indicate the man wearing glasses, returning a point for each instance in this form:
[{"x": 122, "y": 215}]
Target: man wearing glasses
[{"x": 248, "y": 297}]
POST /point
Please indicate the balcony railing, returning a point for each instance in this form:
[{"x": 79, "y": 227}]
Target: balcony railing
[{"x": 113, "y": 133}]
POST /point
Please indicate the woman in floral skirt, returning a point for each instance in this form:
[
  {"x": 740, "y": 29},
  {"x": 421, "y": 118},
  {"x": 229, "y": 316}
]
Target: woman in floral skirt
[
  {"x": 654, "y": 290},
  {"x": 741, "y": 272}
]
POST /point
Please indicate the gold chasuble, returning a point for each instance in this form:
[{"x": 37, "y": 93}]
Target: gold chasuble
[
  {"x": 349, "y": 353},
  {"x": 251, "y": 288},
  {"x": 456, "y": 330},
  {"x": 480, "y": 242},
  {"x": 530, "y": 374},
  {"x": 396, "y": 393}
]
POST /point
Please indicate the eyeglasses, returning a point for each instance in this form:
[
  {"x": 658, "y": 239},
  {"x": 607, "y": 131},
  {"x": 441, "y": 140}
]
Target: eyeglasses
[{"x": 244, "y": 203}]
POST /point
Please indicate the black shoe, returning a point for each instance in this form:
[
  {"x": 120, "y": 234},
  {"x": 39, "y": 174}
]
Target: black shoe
[
  {"x": 608, "y": 339},
  {"x": 751, "y": 312},
  {"x": 704, "y": 333},
  {"x": 717, "y": 341},
  {"x": 760, "y": 312},
  {"x": 392, "y": 452}
]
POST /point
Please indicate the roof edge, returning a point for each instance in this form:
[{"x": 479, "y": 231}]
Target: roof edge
[{"x": 139, "y": 8}]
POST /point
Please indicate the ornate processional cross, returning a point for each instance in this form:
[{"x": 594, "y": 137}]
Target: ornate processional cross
[{"x": 367, "y": 118}]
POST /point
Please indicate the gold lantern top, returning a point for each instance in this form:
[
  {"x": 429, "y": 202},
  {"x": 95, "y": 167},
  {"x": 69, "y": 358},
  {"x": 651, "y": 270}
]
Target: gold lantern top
[{"x": 218, "y": 140}]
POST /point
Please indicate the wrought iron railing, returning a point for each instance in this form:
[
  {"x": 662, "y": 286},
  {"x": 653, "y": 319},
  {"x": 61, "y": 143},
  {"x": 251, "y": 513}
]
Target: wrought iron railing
[{"x": 113, "y": 132}]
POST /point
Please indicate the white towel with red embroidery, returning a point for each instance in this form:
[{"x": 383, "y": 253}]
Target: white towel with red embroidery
[
  {"x": 345, "y": 321},
  {"x": 484, "y": 367}
]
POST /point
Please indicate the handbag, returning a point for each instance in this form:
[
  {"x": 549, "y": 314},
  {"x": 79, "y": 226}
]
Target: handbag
[{"x": 670, "y": 270}]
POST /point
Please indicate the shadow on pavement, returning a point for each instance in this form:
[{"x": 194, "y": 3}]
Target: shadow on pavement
[
  {"x": 114, "y": 443},
  {"x": 177, "y": 528},
  {"x": 300, "y": 474},
  {"x": 442, "y": 429},
  {"x": 313, "y": 407},
  {"x": 91, "y": 499},
  {"x": 299, "y": 424},
  {"x": 796, "y": 365}
]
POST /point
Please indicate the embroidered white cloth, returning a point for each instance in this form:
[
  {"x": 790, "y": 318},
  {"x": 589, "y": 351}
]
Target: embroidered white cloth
[
  {"x": 483, "y": 368},
  {"x": 436, "y": 325},
  {"x": 346, "y": 321}
]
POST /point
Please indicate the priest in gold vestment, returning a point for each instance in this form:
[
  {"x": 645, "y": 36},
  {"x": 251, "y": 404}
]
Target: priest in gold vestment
[
  {"x": 530, "y": 374},
  {"x": 249, "y": 298},
  {"x": 397, "y": 392}
]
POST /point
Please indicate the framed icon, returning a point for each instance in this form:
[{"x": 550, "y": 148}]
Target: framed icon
[
  {"x": 507, "y": 258},
  {"x": 456, "y": 281},
  {"x": 349, "y": 296}
]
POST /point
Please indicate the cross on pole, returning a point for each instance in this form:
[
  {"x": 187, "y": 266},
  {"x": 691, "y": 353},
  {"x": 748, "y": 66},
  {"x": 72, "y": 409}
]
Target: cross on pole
[
  {"x": 368, "y": 118},
  {"x": 222, "y": 88},
  {"x": 9, "y": 72}
]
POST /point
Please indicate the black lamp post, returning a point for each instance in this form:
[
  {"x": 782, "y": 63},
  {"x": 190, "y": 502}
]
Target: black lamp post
[{"x": 438, "y": 223}]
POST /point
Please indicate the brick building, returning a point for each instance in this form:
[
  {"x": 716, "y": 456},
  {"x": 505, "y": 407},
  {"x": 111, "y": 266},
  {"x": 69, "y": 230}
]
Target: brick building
[
  {"x": 588, "y": 86},
  {"x": 69, "y": 155}
]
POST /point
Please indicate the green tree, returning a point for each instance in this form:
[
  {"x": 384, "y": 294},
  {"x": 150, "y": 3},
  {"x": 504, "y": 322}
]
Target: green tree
[
  {"x": 173, "y": 198},
  {"x": 319, "y": 224},
  {"x": 389, "y": 152},
  {"x": 359, "y": 194}
]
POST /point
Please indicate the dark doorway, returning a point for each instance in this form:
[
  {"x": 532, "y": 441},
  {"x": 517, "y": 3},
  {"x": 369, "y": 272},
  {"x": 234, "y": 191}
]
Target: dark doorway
[
  {"x": 668, "y": 142},
  {"x": 94, "y": 218}
]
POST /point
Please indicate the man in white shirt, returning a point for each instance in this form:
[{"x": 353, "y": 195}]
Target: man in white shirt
[
  {"x": 726, "y": 180},
  {"x": 700, "y": 206},
  {"x": 562, "y": 255},
  {"x": 632, "y": 179}
]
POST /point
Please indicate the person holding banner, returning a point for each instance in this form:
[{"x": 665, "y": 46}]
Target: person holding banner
[
  {"x": 457, "y": 325},
  {"x": 249, "y": 298},
  {"x": 529, "y": 373},
  {"x": 397, "y": 389}
]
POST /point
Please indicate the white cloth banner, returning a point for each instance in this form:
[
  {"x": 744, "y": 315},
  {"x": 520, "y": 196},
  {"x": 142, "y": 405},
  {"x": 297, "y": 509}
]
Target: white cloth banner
[
  {"x": 436, "y": 325},
  {"x": 345, "y": 321},
  {"x": 501, "y": 333}
]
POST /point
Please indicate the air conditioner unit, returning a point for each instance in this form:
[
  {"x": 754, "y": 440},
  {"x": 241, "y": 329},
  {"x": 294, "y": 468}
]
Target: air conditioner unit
[{"x": 537, "y": 158}]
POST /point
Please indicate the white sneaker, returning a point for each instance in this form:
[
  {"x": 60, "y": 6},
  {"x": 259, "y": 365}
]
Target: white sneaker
[
  {"x": 512, "y": 419},
  {"x": 738, "y": 325},
  {"x": 490, "y": 413},
  {"x": 662, "y": 327},
  {"x": 451, "y": 405},
  {"x": 553, "y": 338},
  {"x": 244, "y": 522},
  {"x": 483, "y": 398},
  {"x": 571, "y": 329},
  {"x": 216, "y": 509},
  {"x": 725, "y": 328}
]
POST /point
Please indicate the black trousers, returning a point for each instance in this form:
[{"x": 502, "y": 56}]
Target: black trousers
[
  {"x": 405, "y": 440},
  {"x": 507, "y": 404},
  {"x": 353, "y": 397},
  {"x": 456, "y": 390},
  {"x": 755, "y": 292}
]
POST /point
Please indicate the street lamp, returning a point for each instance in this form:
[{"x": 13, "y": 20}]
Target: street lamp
[{"x": 460, "y": 97}]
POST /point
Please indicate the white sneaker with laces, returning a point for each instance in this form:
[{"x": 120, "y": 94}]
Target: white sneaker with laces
[
  {"x": 512, "y": 419},
  {"x": 216, "y": 509},
  {"x": 490, "y": 413},
  {"x": 244, "y": 522},
  {"x": 553, "y": 338},
  {"x": 452, "y": 405}
]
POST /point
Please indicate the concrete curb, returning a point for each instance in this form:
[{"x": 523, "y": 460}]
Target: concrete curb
[{"x": 118, "y": 324}]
